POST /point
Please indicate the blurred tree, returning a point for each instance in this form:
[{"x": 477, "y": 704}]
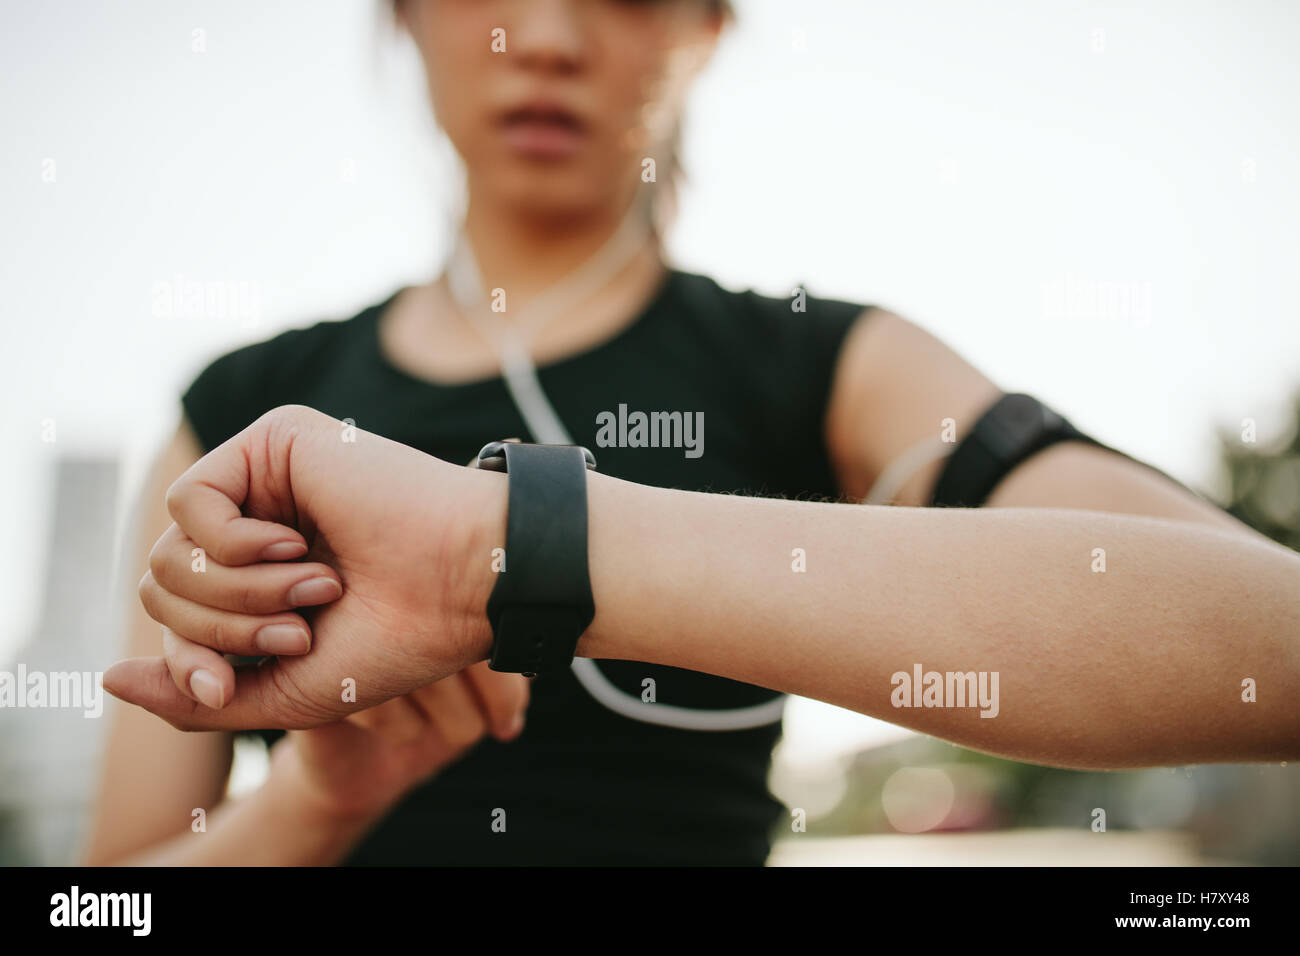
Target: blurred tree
[{"x": 1263, "y": 484}]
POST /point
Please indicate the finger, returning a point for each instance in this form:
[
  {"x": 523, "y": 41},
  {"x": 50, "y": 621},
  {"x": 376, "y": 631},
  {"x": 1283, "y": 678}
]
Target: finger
[
  {"x": 225, "y": 632},
  {"x": 452, "y": 706},
  {"x": 257, "y": 701},
  {"x": 502, "y": 696},
  {"x": 202, "y": 675},
  {"x": 206, "y": 501},
  {"x": 251, "y": 589}
]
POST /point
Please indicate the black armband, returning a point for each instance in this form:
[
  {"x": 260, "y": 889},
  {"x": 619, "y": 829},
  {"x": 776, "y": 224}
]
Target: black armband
[{"x": 1015, "y": 427}]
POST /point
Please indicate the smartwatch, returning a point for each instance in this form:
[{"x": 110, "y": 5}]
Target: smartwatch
[{"x": 541, "y": 603}]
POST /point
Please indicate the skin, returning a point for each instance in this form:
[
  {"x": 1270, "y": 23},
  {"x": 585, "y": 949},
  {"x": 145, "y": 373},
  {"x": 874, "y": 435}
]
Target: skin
[
  {"x": 1080, "y": 700},
  {"x": 703, "y": 581},
  {"x": 625, "y": 67},
  {"x": 326, "y": 786}
]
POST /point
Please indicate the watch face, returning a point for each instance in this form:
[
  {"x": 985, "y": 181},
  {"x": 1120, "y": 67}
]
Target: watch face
[{"x": 492, "y": 456}]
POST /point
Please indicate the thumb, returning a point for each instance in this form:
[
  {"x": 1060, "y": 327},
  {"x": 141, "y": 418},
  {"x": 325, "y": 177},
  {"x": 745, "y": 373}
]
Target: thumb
[{"x": 258, "y": 701}]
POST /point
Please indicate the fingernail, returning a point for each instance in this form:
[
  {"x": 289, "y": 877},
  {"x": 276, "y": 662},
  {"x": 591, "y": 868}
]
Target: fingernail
[
  {"x": 315, "y": 591},
  {"x": 282, "y": 639},
  {"x": 283, "y": 551},
  {"x": 205, "y": 686}
]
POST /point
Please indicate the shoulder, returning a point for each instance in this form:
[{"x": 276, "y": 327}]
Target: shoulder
[
  {"x": 802, "y": 319},
  {"x": 779, "y": 354},
  {"x": 789, "y": 346},
  {"x": 237, "y": 387}
]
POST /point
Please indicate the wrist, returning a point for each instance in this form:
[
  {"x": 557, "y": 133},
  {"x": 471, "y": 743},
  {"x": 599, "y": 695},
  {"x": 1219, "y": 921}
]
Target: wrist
[
  {"x": 480, "y": 501},
  {"x": 482, "y": 506},
  {"x": 639, "y": 592},
  {"x": 606, "y": 533}
]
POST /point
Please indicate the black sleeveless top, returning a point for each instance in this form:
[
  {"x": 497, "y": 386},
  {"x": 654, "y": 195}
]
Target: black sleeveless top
[{"x": 583, "y": 784}]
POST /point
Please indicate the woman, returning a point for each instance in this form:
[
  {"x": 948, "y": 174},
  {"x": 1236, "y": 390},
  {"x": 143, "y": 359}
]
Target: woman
[{"x": 565, "y": 115}]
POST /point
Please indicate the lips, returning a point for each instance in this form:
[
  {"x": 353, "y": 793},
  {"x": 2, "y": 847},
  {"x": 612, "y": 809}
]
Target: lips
[
  {"x": 543, "y": 111},
  {"x": 543, "y": 129}
]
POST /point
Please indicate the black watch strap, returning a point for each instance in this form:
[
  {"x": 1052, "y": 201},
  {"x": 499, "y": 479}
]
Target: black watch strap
[{"x": 541, "y": 603}]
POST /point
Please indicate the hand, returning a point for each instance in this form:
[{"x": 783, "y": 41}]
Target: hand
[
  {"x": 407, "y": 537},
  {"x": 359, "y": 767}
]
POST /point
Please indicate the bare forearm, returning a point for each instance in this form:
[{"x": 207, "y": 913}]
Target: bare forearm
[
  {"x": 273, "y": 826},
  {"x": 1139, "y": 664}
]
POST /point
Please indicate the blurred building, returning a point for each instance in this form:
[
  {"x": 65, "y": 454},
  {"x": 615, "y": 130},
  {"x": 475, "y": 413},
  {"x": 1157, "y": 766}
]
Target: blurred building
[{"x": 49, "y": 756}]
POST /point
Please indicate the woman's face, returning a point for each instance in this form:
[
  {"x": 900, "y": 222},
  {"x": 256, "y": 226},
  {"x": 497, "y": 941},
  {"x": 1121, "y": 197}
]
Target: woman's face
[{"x": 554, "y": 104}]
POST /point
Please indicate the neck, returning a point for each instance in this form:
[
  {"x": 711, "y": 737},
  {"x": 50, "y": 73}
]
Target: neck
[{"x": 527, "y": 255}]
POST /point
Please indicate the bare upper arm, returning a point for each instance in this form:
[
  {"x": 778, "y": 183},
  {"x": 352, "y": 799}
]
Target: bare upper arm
[
  {"x": 894, "y": 385},
  {"x": 152, "y": 776}
]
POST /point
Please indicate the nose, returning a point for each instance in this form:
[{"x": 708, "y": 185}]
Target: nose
[{"x": 547, "y": 34}]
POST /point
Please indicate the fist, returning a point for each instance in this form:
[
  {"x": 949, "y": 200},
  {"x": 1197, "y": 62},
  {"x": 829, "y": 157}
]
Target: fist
[{"x": 305, "y": 533}]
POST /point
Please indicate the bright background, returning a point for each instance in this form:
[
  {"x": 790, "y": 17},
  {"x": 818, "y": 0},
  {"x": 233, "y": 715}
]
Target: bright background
[{"x": 953, "y": 161}]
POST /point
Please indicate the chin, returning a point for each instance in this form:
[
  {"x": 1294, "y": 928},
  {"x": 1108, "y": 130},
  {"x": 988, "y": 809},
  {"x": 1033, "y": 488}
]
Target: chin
[{"x": 552, "y": 194}]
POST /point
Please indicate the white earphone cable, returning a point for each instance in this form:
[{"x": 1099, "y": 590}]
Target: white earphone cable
[
  {"x": 511, "y": 343},
  {"x": 912, "y": 460}
]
